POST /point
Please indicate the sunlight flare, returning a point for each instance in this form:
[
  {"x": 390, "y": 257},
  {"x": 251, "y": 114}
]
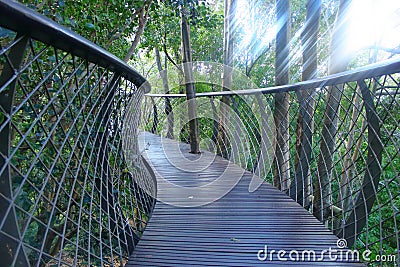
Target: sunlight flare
[{"x": 373, "y": 24}]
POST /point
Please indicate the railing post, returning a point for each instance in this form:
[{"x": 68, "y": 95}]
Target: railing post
[
  {"x": 325, "y": 163},
  {"x": 215, "y": 121},
  {"x": 108, "y": 200},
  {"x": 155, "y": 117},
  {"x": 223, "y": 142},
  {"x": 367, "y": 195},
  {"x": 300, "y": 188},
  {"x": 9, "y": 245}
]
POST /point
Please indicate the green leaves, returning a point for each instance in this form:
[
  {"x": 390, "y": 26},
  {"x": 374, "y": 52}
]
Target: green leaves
[
  {"x": 4, "y": 33},
  {"x": 59, "y": 18},
  {"x": 89, "y": 25},
  {"x": 95, "y": 20},
  {"x": 61, "y": 3},
  {"x": 163, "y": 29}
]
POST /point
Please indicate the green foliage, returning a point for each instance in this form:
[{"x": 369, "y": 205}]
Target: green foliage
[
  {"x": 58, "y": 126},
  {"x": 109, "y": 24},
  {"x": 163, "y": 31}
]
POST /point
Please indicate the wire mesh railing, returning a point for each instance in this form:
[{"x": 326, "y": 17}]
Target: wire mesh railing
[
  {"x": 340, "y": 153},
  {"x": 74, "y": 189}
]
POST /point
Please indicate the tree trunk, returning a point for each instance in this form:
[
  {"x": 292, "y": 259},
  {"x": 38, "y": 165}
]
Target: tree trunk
[
  {"x": 281, "y": 100},
  {"x": 337, "y": 63},
  {"x": 168, "y": 107},
  {"x": 345, "y": 199},
  {"x": 300, "y": 189},
  {"x": 194, "y": 136},
  {"x": 223, "y": 143},
  {"x": 143, "y": 16}
]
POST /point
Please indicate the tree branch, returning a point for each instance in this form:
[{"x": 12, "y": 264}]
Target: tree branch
[
  {"x": 118, "y": 34},
  {"x": 143, "y": 16},
  {"x": 248, "y": 70},
  {"x": 386, "y": 49},
  {"x": 167, "y": 55}
]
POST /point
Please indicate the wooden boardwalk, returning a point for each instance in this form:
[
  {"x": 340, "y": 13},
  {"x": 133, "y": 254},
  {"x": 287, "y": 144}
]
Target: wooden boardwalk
[{"x": 229, "y": 231}]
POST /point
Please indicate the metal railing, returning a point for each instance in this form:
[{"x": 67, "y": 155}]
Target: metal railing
[
  {"x": 341, "y": 147},
  {"x": 74, "y": 189}
]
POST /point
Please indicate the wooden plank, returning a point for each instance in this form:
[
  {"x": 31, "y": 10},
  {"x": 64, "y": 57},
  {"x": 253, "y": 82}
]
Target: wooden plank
[{"x": 229, "y": 231}]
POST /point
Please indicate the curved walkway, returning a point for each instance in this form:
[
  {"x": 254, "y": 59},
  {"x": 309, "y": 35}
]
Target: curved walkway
[{"x": 230, "y": 231}]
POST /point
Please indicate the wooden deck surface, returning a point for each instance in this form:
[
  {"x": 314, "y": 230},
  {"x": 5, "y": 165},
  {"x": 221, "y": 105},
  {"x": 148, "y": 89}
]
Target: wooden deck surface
[{"x": 229, "y": 231}]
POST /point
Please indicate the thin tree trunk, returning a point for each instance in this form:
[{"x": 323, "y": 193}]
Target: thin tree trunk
[
  {"x": 168, "y": 107},
  {"x": 143, "y": 16},
  {"x": 281, "y": 100},
  {"x": 345, "y": 199},
  {"x": 300, "y": 190},
  {"x": 337, "y": 63},
  {"x": 223, "y": 144},
  {"x": 190, "y": 87},
  {"x": 349, "y": 167}
]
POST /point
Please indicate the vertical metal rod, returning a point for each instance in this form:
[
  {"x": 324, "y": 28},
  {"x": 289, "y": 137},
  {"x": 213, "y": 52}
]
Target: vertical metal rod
[
  {"x": 367, "y": 195},
  {"x": 10, "y": 246}
]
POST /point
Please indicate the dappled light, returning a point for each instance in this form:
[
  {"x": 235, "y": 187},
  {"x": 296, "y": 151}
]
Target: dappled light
[{"x": 371, "y": 27}]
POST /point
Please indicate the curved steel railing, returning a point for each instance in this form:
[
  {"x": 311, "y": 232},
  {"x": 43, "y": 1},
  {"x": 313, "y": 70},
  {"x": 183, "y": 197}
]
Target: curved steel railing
[
  {"x": 342, "y": 153},
  {"x": 74, "y": 189}
]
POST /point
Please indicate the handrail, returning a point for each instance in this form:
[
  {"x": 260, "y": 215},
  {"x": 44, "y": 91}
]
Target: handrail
[
  {"x": 371, "y": 70},
  {"x": 19, "y": 18},
  {"x": 74, "y": 187}
]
